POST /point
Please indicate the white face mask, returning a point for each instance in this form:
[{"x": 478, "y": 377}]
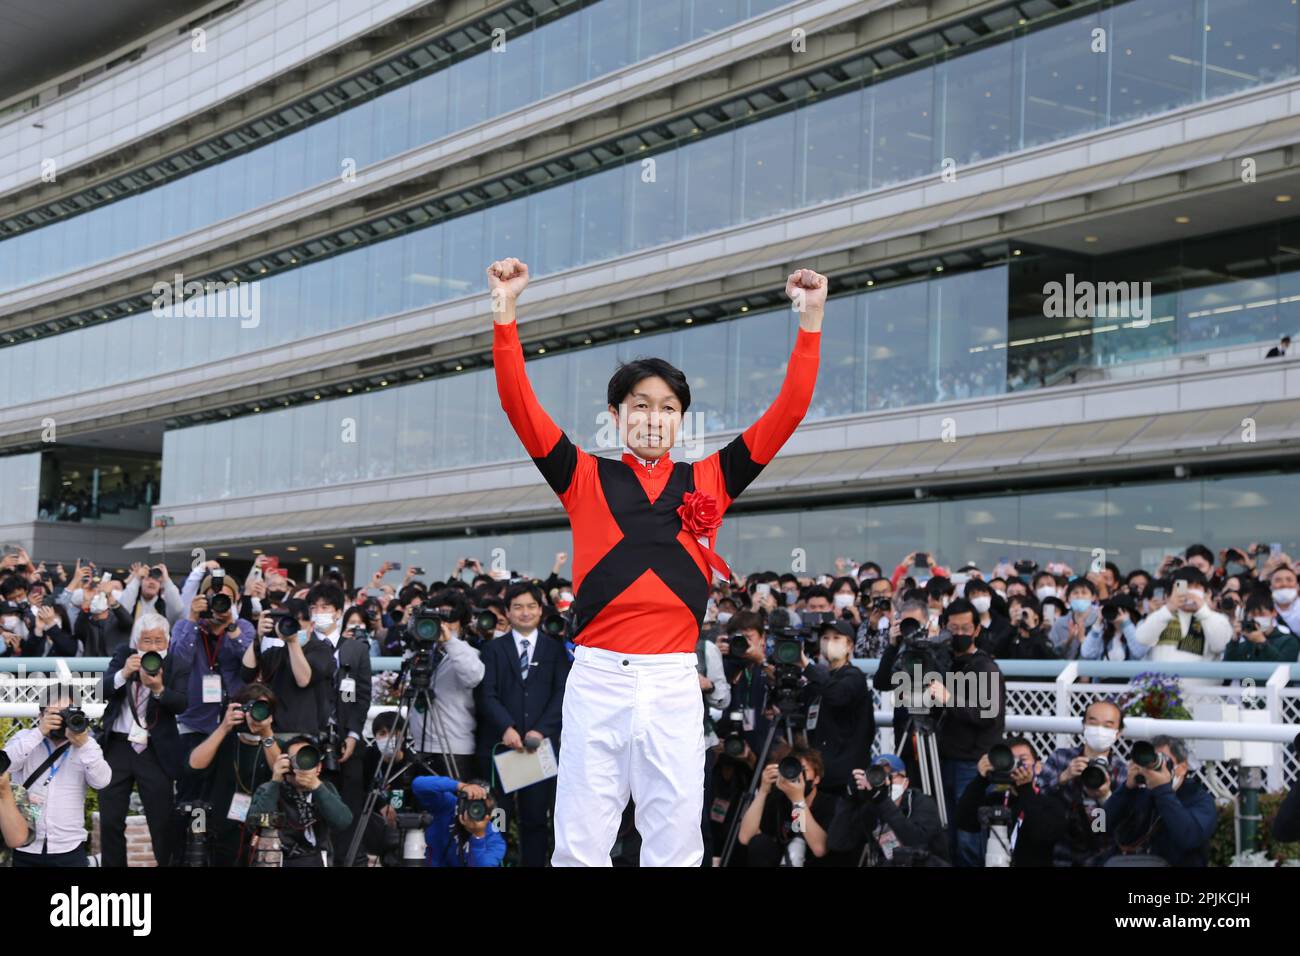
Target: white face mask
[
  {"x": 843, "y": 600},
  {"x": 1265, "y": 623},
  {"x": 1284, "y": 596},
  {"x": 1099, "y": 738},
  {"x": 9, "y": 623},
  {"x": 1196, "y": 594},
  {"x": 323, "y": 621},
  {"x": 724, "y": 617},
  {"x": 1045, "y": 592},
  {"x": 833, "y": 652},
  {"x": 896, "y": 790},
  {"x": 98, "y": 604},
  {"x": 387, "y": 745},
  {"x": 982, "y": 603}
]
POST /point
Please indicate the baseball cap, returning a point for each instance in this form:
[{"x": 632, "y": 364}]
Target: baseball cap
[
  {"x": 843, "y": 627},
  {"x": 892, "y": 761}
]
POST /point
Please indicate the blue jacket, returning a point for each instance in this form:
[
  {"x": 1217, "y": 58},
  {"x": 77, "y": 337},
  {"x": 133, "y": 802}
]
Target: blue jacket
[
  {"x": 1187, "y": 817},
  {"x": 438, "y": 796}
]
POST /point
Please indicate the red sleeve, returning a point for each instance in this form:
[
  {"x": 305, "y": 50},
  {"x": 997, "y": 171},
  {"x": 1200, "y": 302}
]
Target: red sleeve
[
  {"x": 730, "y": 470},
  {"x": 551, "y": 450}
]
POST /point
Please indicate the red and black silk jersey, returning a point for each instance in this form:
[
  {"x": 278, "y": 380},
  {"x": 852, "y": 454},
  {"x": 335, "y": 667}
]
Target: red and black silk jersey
[{"x": 641, "y": 583}]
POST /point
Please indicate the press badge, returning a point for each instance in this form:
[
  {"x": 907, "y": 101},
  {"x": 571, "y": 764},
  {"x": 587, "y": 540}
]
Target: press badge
[
  {"x": 748, "y": 723},
  {"x": 348, "y": 688},
  {"x": 211, "y": 688},
  {"x": 718, "y": 810},
  {"x": 239, "y": 805},
  {"x": 813, "y": 711},
  {"x": 137, "y": 735}
]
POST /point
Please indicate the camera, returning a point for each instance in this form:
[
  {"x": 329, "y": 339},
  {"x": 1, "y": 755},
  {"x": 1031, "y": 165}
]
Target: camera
[
  {"x": 1026, "y": 567},
  {"x": 286, "y": 624},
  {"x": 151, "y": 662},
  {"x": 75, "y": 721},
  {"x": 476, "y": 810},
  {"x": 738, "y": 646},
  {"x": 485, "y": 621},
  {"x": 195, "y": 813},
  {"x": 790, "y": 768},
  {"x": 308, "y": 757},
  {"x": 426, "y": 625},
  {"x": 553, "y": 624},
  {"x": 1001, "y": 761},
  {"x": 1096, "y": 774},
  {"x": 731, "y": 730},
  {"x": 258, "y": 710},
  {"x": 1147, "y": 757},
  {"x": 881, "y": 604},
  {"x": 155, "y": 573}
]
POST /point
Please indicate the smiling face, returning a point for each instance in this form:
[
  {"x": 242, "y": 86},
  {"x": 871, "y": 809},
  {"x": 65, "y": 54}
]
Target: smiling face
[{"x": 650, "y": 416}]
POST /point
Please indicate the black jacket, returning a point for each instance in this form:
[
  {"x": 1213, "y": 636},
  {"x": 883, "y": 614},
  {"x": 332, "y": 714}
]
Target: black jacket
[
  {"x": 103, "y": 638},
  {"x": 846, "y": 721},
  {"x": 915, "y": 822},
  {"x": 159, "y": 715},
  {"x": 1286, "y": 825},
  {"x": 354, "y": 664},
  {"x": 966, "y": 733},
  {"x": 1176, "y": 825},
  {"x": 504, "y": 699},
  {"x": 1034, "y": 646},
  {"x": 1043, "y": 823}
]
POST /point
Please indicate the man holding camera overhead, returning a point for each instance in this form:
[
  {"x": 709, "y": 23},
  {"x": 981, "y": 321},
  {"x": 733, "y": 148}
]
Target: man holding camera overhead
[
  {"x": 296, "y": 663},
  {"x": 144, "y": 692},
  {"x": 55, "y": 762},
  {"x": 298, "y": 803},
  {"x": 151, "y": 589}
]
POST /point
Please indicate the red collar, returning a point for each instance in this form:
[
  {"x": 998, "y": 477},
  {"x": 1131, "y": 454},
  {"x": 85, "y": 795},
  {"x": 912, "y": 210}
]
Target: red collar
[{"x": 649, "y": 468}]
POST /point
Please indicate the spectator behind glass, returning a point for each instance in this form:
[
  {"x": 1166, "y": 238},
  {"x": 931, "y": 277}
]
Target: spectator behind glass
[{"x": 1163, "y": 811}]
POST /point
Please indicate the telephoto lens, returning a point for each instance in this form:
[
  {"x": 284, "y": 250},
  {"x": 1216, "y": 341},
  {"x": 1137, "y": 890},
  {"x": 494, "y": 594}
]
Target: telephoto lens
[
  {"x": 219, "y": 602},
  {"x": 1002, "y": 761},
  {"x": 1095, "y": 775},
  {"x": 476, "y": 810},
  {"x": 306, "y": 758},
  {"x": 258, "y": 710},
  {"x": 286, "y": 625},
  {"x": 75, "y": 721},
  {"x": 790, "y": 768},
  {"x": 553, "y": 624},
  {"x": 151, "y": 663},
  {"x": 1146, "y": 757}
]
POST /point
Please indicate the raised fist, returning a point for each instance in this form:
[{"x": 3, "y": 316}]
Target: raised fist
[
  {"x": 507, "y": 279},
  {"x": 806, "y": 289}
]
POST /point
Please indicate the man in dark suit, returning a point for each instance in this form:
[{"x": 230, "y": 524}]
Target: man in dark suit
[
  {"x": 520, "y": 700},
  {"x": 140, "y": 740},
  {"x": 1279, "y": 350},
  {"x": 349, "y": 707}
]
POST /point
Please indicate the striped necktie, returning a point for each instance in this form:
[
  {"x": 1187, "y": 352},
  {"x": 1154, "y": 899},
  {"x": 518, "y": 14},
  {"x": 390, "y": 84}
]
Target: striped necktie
[{"x": 523, "y": 660}]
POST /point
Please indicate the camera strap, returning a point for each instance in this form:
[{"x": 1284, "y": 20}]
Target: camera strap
[{"x": 54, "y": 755}]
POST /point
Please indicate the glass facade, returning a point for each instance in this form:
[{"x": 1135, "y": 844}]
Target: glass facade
[
  {"x": 910, "y": 123},
  {"x": 598, "y": 39},
  {"x": 20, "y": 477},
  {"x": 1136, "y": 524},
  {"x": 922, "y": 342},
  {"x": 85, "y": 484}
]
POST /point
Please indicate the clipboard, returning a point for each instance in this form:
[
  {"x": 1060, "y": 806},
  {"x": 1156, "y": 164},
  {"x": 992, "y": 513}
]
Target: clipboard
[{"x": 517, "y": 769}]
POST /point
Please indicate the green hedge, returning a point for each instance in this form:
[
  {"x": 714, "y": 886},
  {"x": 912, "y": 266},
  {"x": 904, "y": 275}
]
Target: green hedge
[{"x": 1223, "y": 844}]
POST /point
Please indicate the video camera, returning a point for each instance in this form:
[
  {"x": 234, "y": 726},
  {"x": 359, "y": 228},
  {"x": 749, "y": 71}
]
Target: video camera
[
  {"x": 425, "y": 627},
  {"x": 786, "y": 656}
]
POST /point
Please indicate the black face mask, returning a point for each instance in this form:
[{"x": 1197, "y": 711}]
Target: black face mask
[
  {"x": 276, "y": 597},
  {"x": 961, "y": 643},
  {"x": 807, "y": 788}
]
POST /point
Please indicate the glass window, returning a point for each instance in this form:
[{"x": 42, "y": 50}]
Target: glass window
[
  {"x": 758, "y": 347},
  {"x": 830, "y": 158},
  {"x": 415, "y": 431},
  {"x": 379, "y": 434},
  {"x": 898, "y": 346},
  {"x": 653, "y": 188},
  {"x": 607, "y": 30},
  {"x": 1155, "y": 56},
  {"x": 1248, "y": 42},
  {"x": 706, "y": 193},
  {"x": 970, "y": 332},
  {"x": 456, "y": 420},
  {"x": 659, "y": 27},
  {"x": 765, "y": 153},
  {"x": 601, "y": 214},
  {"x": 550, "y": 222},
  {"x": 902, "y": 128},
  {"x": 976, "y": 117},
  {"x": 1063, "y": 82}
]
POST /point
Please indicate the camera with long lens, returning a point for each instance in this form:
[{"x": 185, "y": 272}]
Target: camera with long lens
[
  {"x": 359, "y": 632},
  {"x": 1096, "y": 774},
  {"x": 918, "y": 655},
  {"x": 483, "y": 620},
  {"x": 404, "y": 844},
  {"x": 881, "y": 604},
  {"x": 286, "y": 624},
  {"x": 425, "y": 627},
  {"x": 997, "y": 820},
  {"x": 258, "y": 710},
  {"x": 196, "y": 815},
  {"x": 331, "y": 747},
  {"x": 877, "y": 779},
  {"x": 1002, "y": 761},
  {"x": 554, "y": 624},
  {"x": 790, "y": 767},
  {"x": 151, "y": 662},
  {"x": 737, "y": 646},
  {"x": 307, "y": 758},
  {"x": 75, "y": 721},
  {"x": 786, "y": 657},
  {"x": 1148, "y": 758}
]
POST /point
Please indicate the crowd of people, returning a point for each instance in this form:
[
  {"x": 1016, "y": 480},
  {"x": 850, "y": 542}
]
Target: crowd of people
[{"x": 249, "y": 702}]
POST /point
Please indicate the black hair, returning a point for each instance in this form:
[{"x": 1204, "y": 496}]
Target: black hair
[
  {"x": 1081, "y": 582},
  {"x": 1190, "y": 574},
  {"x": 1260, "y": 599},
  {"x": 870, "y": 566},
  {"x": 251, "y": 692},
  {"x": 411, "y": 590},
  {"x": 1199, "y": 551},
  {"x": 10, "y": 585},
  {"x": 816, "y": 591},
  {"x": 938, "y": 586},
  {"x": 330, "y": 593},
  {"x": 978, "y": 586},
  {"x": 961, "y": 606},
  {"x": 454, "y": 600},
  {"x": 299, "y": 608},
  {"x": 525, "y": 587},
  {"x": 384, "y": 722},
  {"x": 628, "y": 374},
  {"x": 1023, "y": 742},
  {"x": 840, "y": 582}
]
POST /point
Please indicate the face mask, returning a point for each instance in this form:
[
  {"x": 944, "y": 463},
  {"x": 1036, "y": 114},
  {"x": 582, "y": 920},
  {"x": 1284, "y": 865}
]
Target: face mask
[
  {"x": 276, "y": 597},
  {"x": 1045, "y": 593},
  {"x": 791, "y": 597},
  {"x": 1284, "y": 596},
  {"x": 982, "y": 603},
  {"x": 724, "y": 617},
  {"x": 387, "y": 746},
  {"x": 1177, "y": 781},
  {"x": 896, "y": 791},
  {"x": 1099, "y": 738},
  {"x": 323, "y": 621},
  {"x": 833, "y": 653},
  {"x": 98, "y": 604},
  {"x": 304, "y": 637},
  {"x": 961, "y": 643},
  {"x": 1265, "y": 623},
  {"x": 9, "y": 623},
  {"x": 843, "y": 600},
  {"x": 1080, "y": 605}
]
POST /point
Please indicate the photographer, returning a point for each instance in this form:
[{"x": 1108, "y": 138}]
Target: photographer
[
  {"x": 347, "y": 703},
  {"x": 55, "y": 764},
  {"x": 304, "y": 808},
  {"x": 744, "y": 659},
  {"x": 1161, "y": 809},
  {"x": 1036, "y": 819},
  {"x": 458, "y": 835},
  {"x": 242, "y": 754},
  {"x": 886, "y": 813},
  {"x": 296, "y": 663},
  {"x": 457, "y": 670},
  {"x": 144, "y": 691},
  {"x": 971, "y": 717},
  {"x": 841, "y": 719},
  {"x": 898, "y": 658},
  {"x": 1113, "y": 636},
  {"x": 1084, "y": 778},
  {"x": 52, "y": 636},
  {"x": 1027, "y": 639},
  {"x": 1185, "y": 629},
  {"x": 1263, "y": 637},
  {"x": 873, "y": 634},
  {"x": 395, "y": 790},
  {"x": 779, "y": 829},
  {"x": 151, "y": 590}
]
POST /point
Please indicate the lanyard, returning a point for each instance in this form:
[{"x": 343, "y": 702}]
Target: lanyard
[
  {"x": 210, "y": 650},
  {"x": 56, "y": 767}
]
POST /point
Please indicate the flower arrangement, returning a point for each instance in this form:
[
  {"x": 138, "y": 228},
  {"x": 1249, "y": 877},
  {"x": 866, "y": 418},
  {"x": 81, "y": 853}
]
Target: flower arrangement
[
  {"x": 383, "y": 689},
  {"x": 1156, "y": 695}
]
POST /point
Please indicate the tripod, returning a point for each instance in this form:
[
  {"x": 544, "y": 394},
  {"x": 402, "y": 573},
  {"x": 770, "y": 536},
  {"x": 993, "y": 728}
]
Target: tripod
[
  {"x": 787, "y": 708},
  {"x": 919, "y": 726},
  {"x": 414, "y": 685}
]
